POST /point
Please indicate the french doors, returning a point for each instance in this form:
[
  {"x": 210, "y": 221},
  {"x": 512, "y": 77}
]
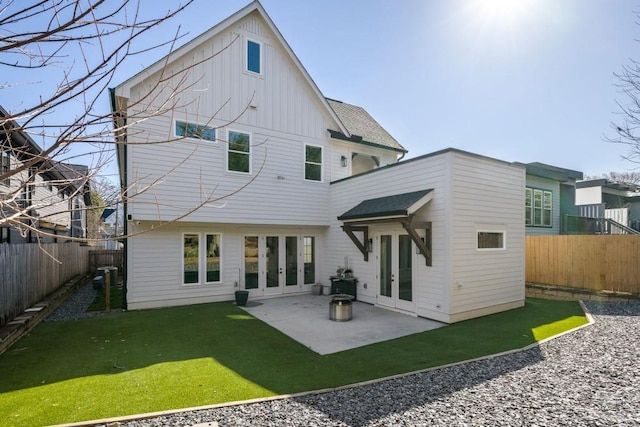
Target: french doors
[
  {"x": 395, "y": 271},
  {"x": 276, "y": 264}
]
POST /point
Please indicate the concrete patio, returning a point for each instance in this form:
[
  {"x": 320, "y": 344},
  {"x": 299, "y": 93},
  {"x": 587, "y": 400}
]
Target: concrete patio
[{"x": 305, "y": 318}]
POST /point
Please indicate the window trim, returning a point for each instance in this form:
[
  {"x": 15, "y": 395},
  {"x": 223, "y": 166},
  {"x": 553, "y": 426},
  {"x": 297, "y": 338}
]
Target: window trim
[
  {"x": 260, "y": 56},
  {"x": 228, "y": 150},
  {"x": 304, "y": 155},
  {"x": 5, "y": 168},
  {"x": 196, "y": 138},
  {"x": 313, "y": 255},
  {"x": 183, "y": 235},
  {"x": 493, "y": 231},
  {"x": 530, "y": 219},
  {"x": 202, "y": 257}
]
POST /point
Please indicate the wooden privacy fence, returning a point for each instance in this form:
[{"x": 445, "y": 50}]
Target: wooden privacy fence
[
  {"x": 106, "y": 258},
  {"x": 596, "y": 262},
  {"x": 30, "y": 272}
]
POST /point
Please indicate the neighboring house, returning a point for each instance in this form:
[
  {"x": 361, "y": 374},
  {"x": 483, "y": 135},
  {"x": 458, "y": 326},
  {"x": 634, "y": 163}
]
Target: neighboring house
[
  {"x": 549, "y": 198},
  {"x": 50, "y": 197},
  {"x": 616, "y": 201},
  {"x": 292, "y": 185},
  {"x": 110, "y": 228}
]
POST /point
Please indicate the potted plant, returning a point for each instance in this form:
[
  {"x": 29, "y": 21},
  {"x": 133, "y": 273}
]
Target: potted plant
[
  {"x": 316, "y": 289},
  {"x": 242, "y": 297}
]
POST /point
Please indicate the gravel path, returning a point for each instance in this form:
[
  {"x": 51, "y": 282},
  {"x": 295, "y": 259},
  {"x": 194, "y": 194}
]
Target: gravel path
[
  {"x": 590, "y": 377},
  {"x": 75, "y": 307}
]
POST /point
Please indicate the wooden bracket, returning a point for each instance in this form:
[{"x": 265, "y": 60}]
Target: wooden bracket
[
  {"x": 361, "y": 245},
  {"x": 423, "y": 246}
]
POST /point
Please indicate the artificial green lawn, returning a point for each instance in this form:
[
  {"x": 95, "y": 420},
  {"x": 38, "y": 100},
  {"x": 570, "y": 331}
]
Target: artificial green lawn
[{"x": 144, "y": 361}]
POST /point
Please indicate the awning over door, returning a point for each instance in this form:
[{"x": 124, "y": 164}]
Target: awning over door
[{"x": 398, "y": 208}]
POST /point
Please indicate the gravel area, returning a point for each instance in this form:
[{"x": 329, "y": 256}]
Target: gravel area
[
  {"x": 75, "y": 307},
  {"x": 590, "y": 377}
]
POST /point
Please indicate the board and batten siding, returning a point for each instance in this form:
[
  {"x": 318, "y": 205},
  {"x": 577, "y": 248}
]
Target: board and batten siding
[
  {"x": 417, "y": 174},
  {"x": 284, "y": 115},
  {"x": 486, "y": 195},
  {"x": 540, "y": 183}
]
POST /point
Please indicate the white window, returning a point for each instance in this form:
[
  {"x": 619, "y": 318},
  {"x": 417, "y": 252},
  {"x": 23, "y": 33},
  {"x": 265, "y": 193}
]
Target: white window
[
  {"x": 5, "y": 166},
  {"x": 538, "y": 208},
  {"x": 309, "y": 254},
  {"x": 238, "y": 151},
  {"x": 193, "y": 130},
  {"x": 491, "y": 240},
  {"x": 201, "y": 258},
  {"x": 191, "y": 258},
  {"x": 254, "y": 56},
  {"x": 213, "y": 251},
  {"x": 312, "y": 163}
]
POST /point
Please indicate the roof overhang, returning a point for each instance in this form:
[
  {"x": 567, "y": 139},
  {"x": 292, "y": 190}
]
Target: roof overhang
[
  {"x": 399, "y": 208},
  {"x": 388, "y": 208}
]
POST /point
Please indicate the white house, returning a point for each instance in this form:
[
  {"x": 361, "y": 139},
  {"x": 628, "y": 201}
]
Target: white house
[
  {"x": 616, "y": 201},
  {"x": 242, "y": 175},
  {"x": 44, "y": 202}
]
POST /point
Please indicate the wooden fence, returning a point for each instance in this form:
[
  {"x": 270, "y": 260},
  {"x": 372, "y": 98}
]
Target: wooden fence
[
  {"x": 29, "y": 272},
  {"x": 106, "y": 258},
  {"x": 599, "y": 263}
]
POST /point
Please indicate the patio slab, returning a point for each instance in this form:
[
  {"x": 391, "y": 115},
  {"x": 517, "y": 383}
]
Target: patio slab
[{"x": 305, "y": 318}]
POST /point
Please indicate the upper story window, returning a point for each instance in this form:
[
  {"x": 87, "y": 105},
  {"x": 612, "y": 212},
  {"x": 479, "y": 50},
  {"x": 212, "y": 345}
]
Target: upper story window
[
  {"x": 538, "y": 207},
  {"x": 312, "y": 163},
  {"x": 5, "y": 167},
  {"x": 238, "y": 152},
  {"x": 193, "y": 130},
  {"x": 254, "y": 56}
]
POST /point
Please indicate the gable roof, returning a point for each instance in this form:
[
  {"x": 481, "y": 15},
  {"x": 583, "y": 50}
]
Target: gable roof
[
  {"x": 253, "y": 7},
  {"x": 362, "y": 127},
  {"x": 398, "y": 205}
]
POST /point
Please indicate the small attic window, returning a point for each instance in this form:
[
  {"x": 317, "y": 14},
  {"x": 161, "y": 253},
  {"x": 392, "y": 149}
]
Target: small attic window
[{"x": 254, "y": 56}]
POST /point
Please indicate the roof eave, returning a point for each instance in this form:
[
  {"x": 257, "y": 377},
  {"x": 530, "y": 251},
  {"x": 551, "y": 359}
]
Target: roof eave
[{"x": 358, "y": 140}]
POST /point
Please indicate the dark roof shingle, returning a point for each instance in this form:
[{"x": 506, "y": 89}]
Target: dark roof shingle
[
  {"x": 360, "y": 124},
  {"x": 396, "y": 205}
]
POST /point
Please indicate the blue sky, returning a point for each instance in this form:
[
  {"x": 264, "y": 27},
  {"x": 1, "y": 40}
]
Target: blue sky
[
  {"x": 519, "y": 80},
  {"x": 532, "y": 82}
]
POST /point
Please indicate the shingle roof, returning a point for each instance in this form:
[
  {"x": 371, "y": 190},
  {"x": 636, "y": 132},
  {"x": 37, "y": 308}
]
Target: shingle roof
[
  {"x": 396, "y": 205},
  {"x": 361, "y": 126}
]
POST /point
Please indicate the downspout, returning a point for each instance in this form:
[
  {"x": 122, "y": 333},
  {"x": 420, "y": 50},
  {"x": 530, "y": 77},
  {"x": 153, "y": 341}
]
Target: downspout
[{"x": 123, "y": 188}]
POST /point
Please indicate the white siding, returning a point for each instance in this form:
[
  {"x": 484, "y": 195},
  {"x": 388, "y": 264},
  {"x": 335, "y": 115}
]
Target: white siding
[
  {"x": 588, "y": 196},
  {"x": 418, "y": 174},
  {"x": 469, "y": 193},
  {"x": 486, "y": 195},
  {"x": 155, "y": 276}
]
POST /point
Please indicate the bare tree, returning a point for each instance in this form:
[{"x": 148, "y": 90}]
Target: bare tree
[
  {"x": 627, "y": 129},
  {"x": 62, "y": 55},
  {"x": 623, "y": 177}
]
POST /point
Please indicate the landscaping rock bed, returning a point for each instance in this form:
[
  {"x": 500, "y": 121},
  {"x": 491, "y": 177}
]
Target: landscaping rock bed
[
  {"x": 589, "y": 377},
  {"x": 75, "y": 307}
]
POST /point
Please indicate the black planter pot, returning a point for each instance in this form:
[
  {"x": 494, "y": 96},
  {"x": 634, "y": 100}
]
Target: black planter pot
[{"x": 242, "y": 297}]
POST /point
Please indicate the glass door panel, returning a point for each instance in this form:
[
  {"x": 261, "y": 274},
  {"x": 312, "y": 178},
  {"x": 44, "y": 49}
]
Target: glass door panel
[
  {"x": 251, "y": 262},
  {"x": 273, "y": 261},
  {"x": 291, "y": 256},
  {"x": 386, "y": 271},
  {"x": 309, "y": 259},
  {"x": 405, "y": 273}
]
